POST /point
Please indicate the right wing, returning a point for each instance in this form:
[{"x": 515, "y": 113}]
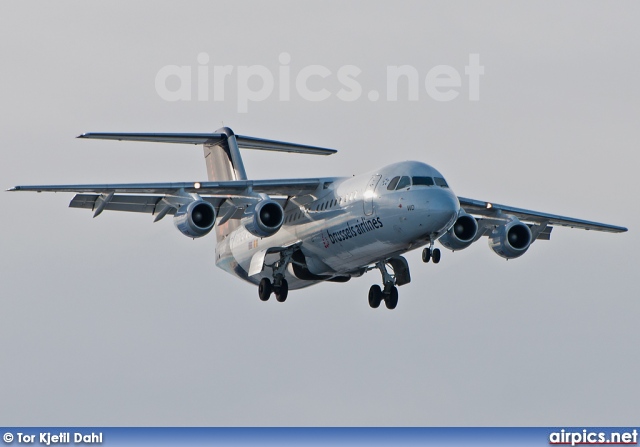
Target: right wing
[
  {"x": 152, "y": 198},
  {"x": 235, "y": 188}
]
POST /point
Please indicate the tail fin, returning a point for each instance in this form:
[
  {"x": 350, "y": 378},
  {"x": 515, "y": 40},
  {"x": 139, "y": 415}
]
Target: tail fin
[{"x": 223, "y": 158}]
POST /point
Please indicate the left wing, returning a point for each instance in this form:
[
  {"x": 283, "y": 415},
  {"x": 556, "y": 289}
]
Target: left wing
[{"x": 493, "y": 211}]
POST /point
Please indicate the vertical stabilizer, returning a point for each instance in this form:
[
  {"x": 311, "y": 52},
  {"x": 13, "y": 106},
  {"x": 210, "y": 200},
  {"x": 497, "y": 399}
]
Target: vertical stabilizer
[
  {"x": 224, "y": 163},
  {"x": 223, "y": 158}
]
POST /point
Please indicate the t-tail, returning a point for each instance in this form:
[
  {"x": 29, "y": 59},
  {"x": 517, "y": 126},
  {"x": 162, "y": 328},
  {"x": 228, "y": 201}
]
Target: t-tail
[{"x": 221, "y": 153}]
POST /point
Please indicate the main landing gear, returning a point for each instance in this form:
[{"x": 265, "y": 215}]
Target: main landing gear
[
  {"x": 279, "y": 286},
  {"x": 280, "y": 289},
  {"x": 389, "y": 292}
]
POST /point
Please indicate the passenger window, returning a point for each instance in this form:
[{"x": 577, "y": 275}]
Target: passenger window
[
  {"x": 404, "y": 182},
  {"x": 425, "y": 181},
  {"x": 441, "y": 182},
  {"x": 393, "y": 183}
]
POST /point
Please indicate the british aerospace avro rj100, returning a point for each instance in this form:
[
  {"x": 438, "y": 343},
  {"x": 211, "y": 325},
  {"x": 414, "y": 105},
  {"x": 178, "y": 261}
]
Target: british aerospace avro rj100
[{"x": 292, "y": 233}]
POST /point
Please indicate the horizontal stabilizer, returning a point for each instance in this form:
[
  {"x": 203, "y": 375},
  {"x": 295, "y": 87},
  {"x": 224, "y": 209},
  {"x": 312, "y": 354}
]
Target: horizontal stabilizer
[
  {"x": 182, "y": 138},
  {"x": 280, "y": 146},
  {"x": 212, "y": 138}
]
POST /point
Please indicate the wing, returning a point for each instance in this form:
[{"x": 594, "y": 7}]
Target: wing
[
  {"x": 494, "y": 211},
  {"x": 236, "y": 188},
  {"x": 154, "y": 197}
]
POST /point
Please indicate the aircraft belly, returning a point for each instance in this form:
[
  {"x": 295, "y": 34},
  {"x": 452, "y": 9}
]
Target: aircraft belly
[{"x": 235, "y": 253}]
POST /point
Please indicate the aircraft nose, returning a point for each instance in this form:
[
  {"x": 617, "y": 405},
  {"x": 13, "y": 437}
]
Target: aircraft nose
[{"x": 443, "y": 208}]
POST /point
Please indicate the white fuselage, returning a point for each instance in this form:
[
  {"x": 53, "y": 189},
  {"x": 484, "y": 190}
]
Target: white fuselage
[{"x": 350, "y": 224}]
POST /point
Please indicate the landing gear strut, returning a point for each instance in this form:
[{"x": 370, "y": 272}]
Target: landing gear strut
[
  {"x": 279, "y": 286},
  {"x": 389, "y": 292}
]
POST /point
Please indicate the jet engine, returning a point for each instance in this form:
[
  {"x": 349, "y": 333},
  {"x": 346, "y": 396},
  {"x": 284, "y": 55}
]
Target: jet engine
[
  {"x": 510, "y": 240},
  {"x": 461, "y": 234},
  {"x": 195, "y": 219},
  {"x": 265, "y": 220}
]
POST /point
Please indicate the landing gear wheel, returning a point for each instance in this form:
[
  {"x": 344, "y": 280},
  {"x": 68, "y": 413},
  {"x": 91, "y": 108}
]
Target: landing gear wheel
[
  {"x": 436, "y": 255},
  {"x": 282, "y": 291},
  {"x": 264, "y": 289},
  {"x": 426, "y": 255},
  {"x": 391, "y": 300},
  {"x": 375, "y": 296}
]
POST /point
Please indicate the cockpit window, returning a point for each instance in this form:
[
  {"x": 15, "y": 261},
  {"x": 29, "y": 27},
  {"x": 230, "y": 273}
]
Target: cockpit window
[
  {"x": 404, "y": 182},
  {"x": 393, "y": 183},
  {"x": 426, "y": 181},
  {"x": 441, "y": 182}
]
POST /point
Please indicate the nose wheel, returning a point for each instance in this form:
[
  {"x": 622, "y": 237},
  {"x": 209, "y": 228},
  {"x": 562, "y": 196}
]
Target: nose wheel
[{"x": 430, "y": 253}]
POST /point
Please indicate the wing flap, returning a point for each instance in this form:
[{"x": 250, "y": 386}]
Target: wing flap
[{"x": 134, "y": 204}]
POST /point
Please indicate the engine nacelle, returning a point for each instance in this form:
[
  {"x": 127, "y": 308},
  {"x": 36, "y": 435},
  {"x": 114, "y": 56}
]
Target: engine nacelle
[
  {"x": 266, "y": 219},
  {"x": 461, "y": 234},
  {"x": 195, "y": 219},
  {"x": 511, "y": 240}
]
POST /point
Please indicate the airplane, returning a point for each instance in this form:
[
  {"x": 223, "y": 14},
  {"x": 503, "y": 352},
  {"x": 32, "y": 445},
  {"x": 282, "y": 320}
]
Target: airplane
[{"x": 287, "y": 234}]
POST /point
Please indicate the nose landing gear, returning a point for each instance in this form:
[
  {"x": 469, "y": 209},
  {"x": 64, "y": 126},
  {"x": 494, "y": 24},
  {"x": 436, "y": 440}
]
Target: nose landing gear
[{"x": 429, "y": 253}]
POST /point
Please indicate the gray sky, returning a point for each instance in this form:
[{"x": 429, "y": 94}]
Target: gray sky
[{"x": 118, "y": 321}]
